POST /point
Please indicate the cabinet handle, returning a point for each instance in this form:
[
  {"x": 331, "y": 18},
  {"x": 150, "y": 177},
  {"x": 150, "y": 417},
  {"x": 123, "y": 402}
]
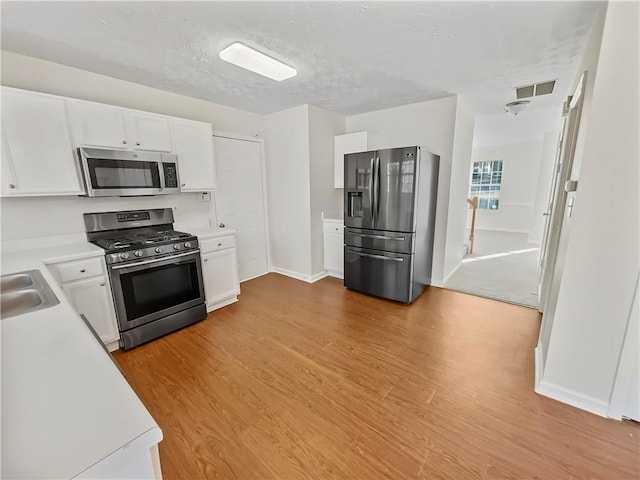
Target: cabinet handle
[
  {"x": 82, "y": 270},
  {"x": 102, "y": 284},
  {"x": 206, "y": 259},
  {"x": 184, "y": 184},
  {"x": 220, "y": 244},
  {"x": 11, "y": 185},
  {"x": 222, "y": 225},
  {"x": 124, "y": 142},
  {"x": 138, "y": 143}
]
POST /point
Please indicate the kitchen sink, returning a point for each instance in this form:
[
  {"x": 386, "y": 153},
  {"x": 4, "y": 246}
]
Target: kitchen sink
[
  {"x": 24, "y": 292},
  {"x": 15, "y": 281}
]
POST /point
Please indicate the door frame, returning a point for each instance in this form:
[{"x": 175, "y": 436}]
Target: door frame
[
  {"x": 557, "y": 207},
  {"x": 263, "y": 171}
]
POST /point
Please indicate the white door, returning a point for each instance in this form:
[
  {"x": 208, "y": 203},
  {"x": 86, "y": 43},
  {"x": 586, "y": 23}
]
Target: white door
[
  {"x": 219, "y": 275},
  {"x": 240, "y": 201},
  {"x": 150, "y": 132},
  {"x": 98, "y": 125}
]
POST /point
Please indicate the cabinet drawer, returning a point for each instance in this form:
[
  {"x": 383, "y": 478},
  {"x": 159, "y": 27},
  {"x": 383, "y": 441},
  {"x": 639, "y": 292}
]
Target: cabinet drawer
[
  {"x": 220, "y": 243},
  {"x": 77, "y": 270},
  {"x": 333, "y": 227}
]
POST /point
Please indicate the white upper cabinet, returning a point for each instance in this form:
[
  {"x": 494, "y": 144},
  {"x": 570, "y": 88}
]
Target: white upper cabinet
[
  {"x": 37, "y": 153},
  {"x": 349, "y": 143},
  {"x": 98, "y": 125},
  {"x": 150, "y": 132},
  {"x": 194, "y": 147}
]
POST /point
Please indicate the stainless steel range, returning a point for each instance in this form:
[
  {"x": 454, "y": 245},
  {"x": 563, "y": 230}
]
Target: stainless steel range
[{"x": 155, "y": 272}]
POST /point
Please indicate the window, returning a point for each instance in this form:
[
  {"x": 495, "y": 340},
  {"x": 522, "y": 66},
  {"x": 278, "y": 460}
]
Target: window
[{"x": 486, "y": 180}]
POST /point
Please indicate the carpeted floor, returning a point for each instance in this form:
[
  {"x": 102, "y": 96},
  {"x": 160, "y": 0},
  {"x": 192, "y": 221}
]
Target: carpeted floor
[{"x": 508, "y": 276}]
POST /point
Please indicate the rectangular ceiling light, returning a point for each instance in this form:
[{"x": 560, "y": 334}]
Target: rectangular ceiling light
[{"x": 257, "y": 62}]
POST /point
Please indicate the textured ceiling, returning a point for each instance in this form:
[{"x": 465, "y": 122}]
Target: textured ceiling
[{"x": 352, "y": 57}]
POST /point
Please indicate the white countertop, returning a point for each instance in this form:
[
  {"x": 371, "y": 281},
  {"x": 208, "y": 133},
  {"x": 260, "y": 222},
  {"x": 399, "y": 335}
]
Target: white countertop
[
  {"x": 65, "y": 405},
  {"x": 209, "y": 232}
]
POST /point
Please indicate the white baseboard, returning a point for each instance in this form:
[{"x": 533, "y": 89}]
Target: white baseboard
[
  {"x": 573, "y": 398},
  {"x": 446, "y": 279},
  {"x": 501, "y": 230},
  {"x": 299, "y": 276},
  {"x": 222, "y": 303},
  {"x": 336, "y": 274},
  {"x": 539, "y": 366}
]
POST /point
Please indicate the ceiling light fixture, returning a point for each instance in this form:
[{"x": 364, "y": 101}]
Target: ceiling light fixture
[
  {"x": 250, "y": 59},
  {"x": 516, "y": 107}
]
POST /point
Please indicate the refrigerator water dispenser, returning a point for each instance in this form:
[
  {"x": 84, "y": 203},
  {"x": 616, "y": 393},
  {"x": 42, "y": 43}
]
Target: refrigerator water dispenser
[{"x": 354, "y": 207}]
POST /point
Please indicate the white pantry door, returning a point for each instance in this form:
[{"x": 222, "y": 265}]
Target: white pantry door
[{"x": 240, "y": 201}]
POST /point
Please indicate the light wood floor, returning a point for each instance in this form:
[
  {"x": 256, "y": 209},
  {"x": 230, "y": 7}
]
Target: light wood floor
[{"x": 314, "y": 381}]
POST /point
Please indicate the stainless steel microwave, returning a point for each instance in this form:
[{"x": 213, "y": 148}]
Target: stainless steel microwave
[{"x": 122, "y": 173}]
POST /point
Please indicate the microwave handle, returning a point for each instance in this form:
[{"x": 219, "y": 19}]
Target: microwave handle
[{"x": 161, "y": 173}]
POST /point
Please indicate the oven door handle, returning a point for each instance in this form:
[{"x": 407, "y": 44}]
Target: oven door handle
[{"x": 156, "y": 260}]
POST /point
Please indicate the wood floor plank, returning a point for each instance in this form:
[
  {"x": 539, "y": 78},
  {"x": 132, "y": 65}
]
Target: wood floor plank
[{"x": 311, "y": 381}]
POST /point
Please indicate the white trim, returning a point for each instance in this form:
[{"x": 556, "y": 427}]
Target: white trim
[
  {"x": 506, "y": 230},
  {"x": 265, "y": 200},
  {"x": 300, "y": 276},
  {"x": 335, "y": 274},
  {"x": 539, "y": 365},
  {"x": 450, "y": 274},
  {"x": 628, "y": 356},
  {"x": 255, "y": 276},
  {"x": 573, "y": 398},
  {"x": 222, "y": 303}
]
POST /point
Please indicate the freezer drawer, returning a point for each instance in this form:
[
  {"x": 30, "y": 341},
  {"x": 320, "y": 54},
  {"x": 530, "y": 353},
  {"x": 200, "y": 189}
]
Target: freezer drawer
[
  {"x": 383, "y": 274},
  {"x": 379, "y": 240}
]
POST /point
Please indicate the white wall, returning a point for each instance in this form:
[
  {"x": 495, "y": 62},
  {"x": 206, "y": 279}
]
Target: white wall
[
  {"x": 543, "y": 187},
  {"x": 288, "y": 189},
  {"x": 459, "y": 185},
  {"x": 602, "y": 259},
  {"x": 506, "y": 129},
  {"x": 430, "y": 125},
  {"x": 323, "y": 127},
  {"x": 33, "y": 217},
  {"x": 519, "y": 180}
]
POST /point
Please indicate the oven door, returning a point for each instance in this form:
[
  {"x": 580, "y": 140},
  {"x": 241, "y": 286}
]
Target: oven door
[{"x": 148, "y": 290}]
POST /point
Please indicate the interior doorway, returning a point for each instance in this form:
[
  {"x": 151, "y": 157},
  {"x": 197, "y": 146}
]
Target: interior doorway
[{"x": 510, "y": 176}]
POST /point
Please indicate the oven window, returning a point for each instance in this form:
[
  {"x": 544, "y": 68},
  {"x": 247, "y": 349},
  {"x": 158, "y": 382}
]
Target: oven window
[
  {"x": 155, "y": 289},
  {"x": 123, "y": 174}
]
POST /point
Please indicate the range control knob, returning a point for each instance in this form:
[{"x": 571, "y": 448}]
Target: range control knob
[
  {"x": 124, "y": 255},
  {"x": 157, "y": 250},
  {"x": 138, "y": 253},
  {"x": 176, "y": 246},
  {"x": 187, "y": 244}
]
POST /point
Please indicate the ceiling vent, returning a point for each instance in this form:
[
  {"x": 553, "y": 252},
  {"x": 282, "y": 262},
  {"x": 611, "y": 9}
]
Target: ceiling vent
[{"x": 544, "y": 88}]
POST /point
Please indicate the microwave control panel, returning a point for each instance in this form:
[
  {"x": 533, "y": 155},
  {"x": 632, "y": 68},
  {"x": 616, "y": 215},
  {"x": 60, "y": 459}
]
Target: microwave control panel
[{"x": 170, "y": 175}]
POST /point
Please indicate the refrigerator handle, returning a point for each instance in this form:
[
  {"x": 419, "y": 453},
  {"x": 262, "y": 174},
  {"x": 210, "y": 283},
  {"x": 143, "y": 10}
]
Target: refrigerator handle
[
  {"x": 372, "y": 187},
  {"x": 376, "y": 205},
  {"x": 379, "y": 257}
]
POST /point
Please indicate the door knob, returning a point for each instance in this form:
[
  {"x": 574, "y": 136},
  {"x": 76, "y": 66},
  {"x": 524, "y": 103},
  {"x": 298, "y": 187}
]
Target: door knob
[{"x": 222, "y": 225}]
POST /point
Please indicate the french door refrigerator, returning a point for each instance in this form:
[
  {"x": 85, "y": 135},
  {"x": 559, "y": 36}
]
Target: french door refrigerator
[{"x": 389, "y": 218}]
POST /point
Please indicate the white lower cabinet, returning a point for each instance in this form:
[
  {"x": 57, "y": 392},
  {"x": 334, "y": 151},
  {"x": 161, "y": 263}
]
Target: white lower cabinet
[
  {"x": 219, "y": 271},
  {"x": 92, "y": 298},
  {"x": 334, "y": 247},
  {"x": 87, "y": 288}
]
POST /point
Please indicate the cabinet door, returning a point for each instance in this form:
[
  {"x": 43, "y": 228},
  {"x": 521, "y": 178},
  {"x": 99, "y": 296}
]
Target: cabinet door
[
  {"x": 92, "y": 298},
  {"x": 150, "y": 132},
  {"x": 194, "y": 147},
  {"x": 220, "y": 275},
  {"x": 98, "y": 125},
  {"x": 334, "y": 252},
  {"x": 349, "y": 143},
  {"x": 38, "y": 153}
]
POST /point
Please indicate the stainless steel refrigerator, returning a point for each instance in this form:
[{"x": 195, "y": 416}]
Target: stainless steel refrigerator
[{"x": 389, "y": 218}]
